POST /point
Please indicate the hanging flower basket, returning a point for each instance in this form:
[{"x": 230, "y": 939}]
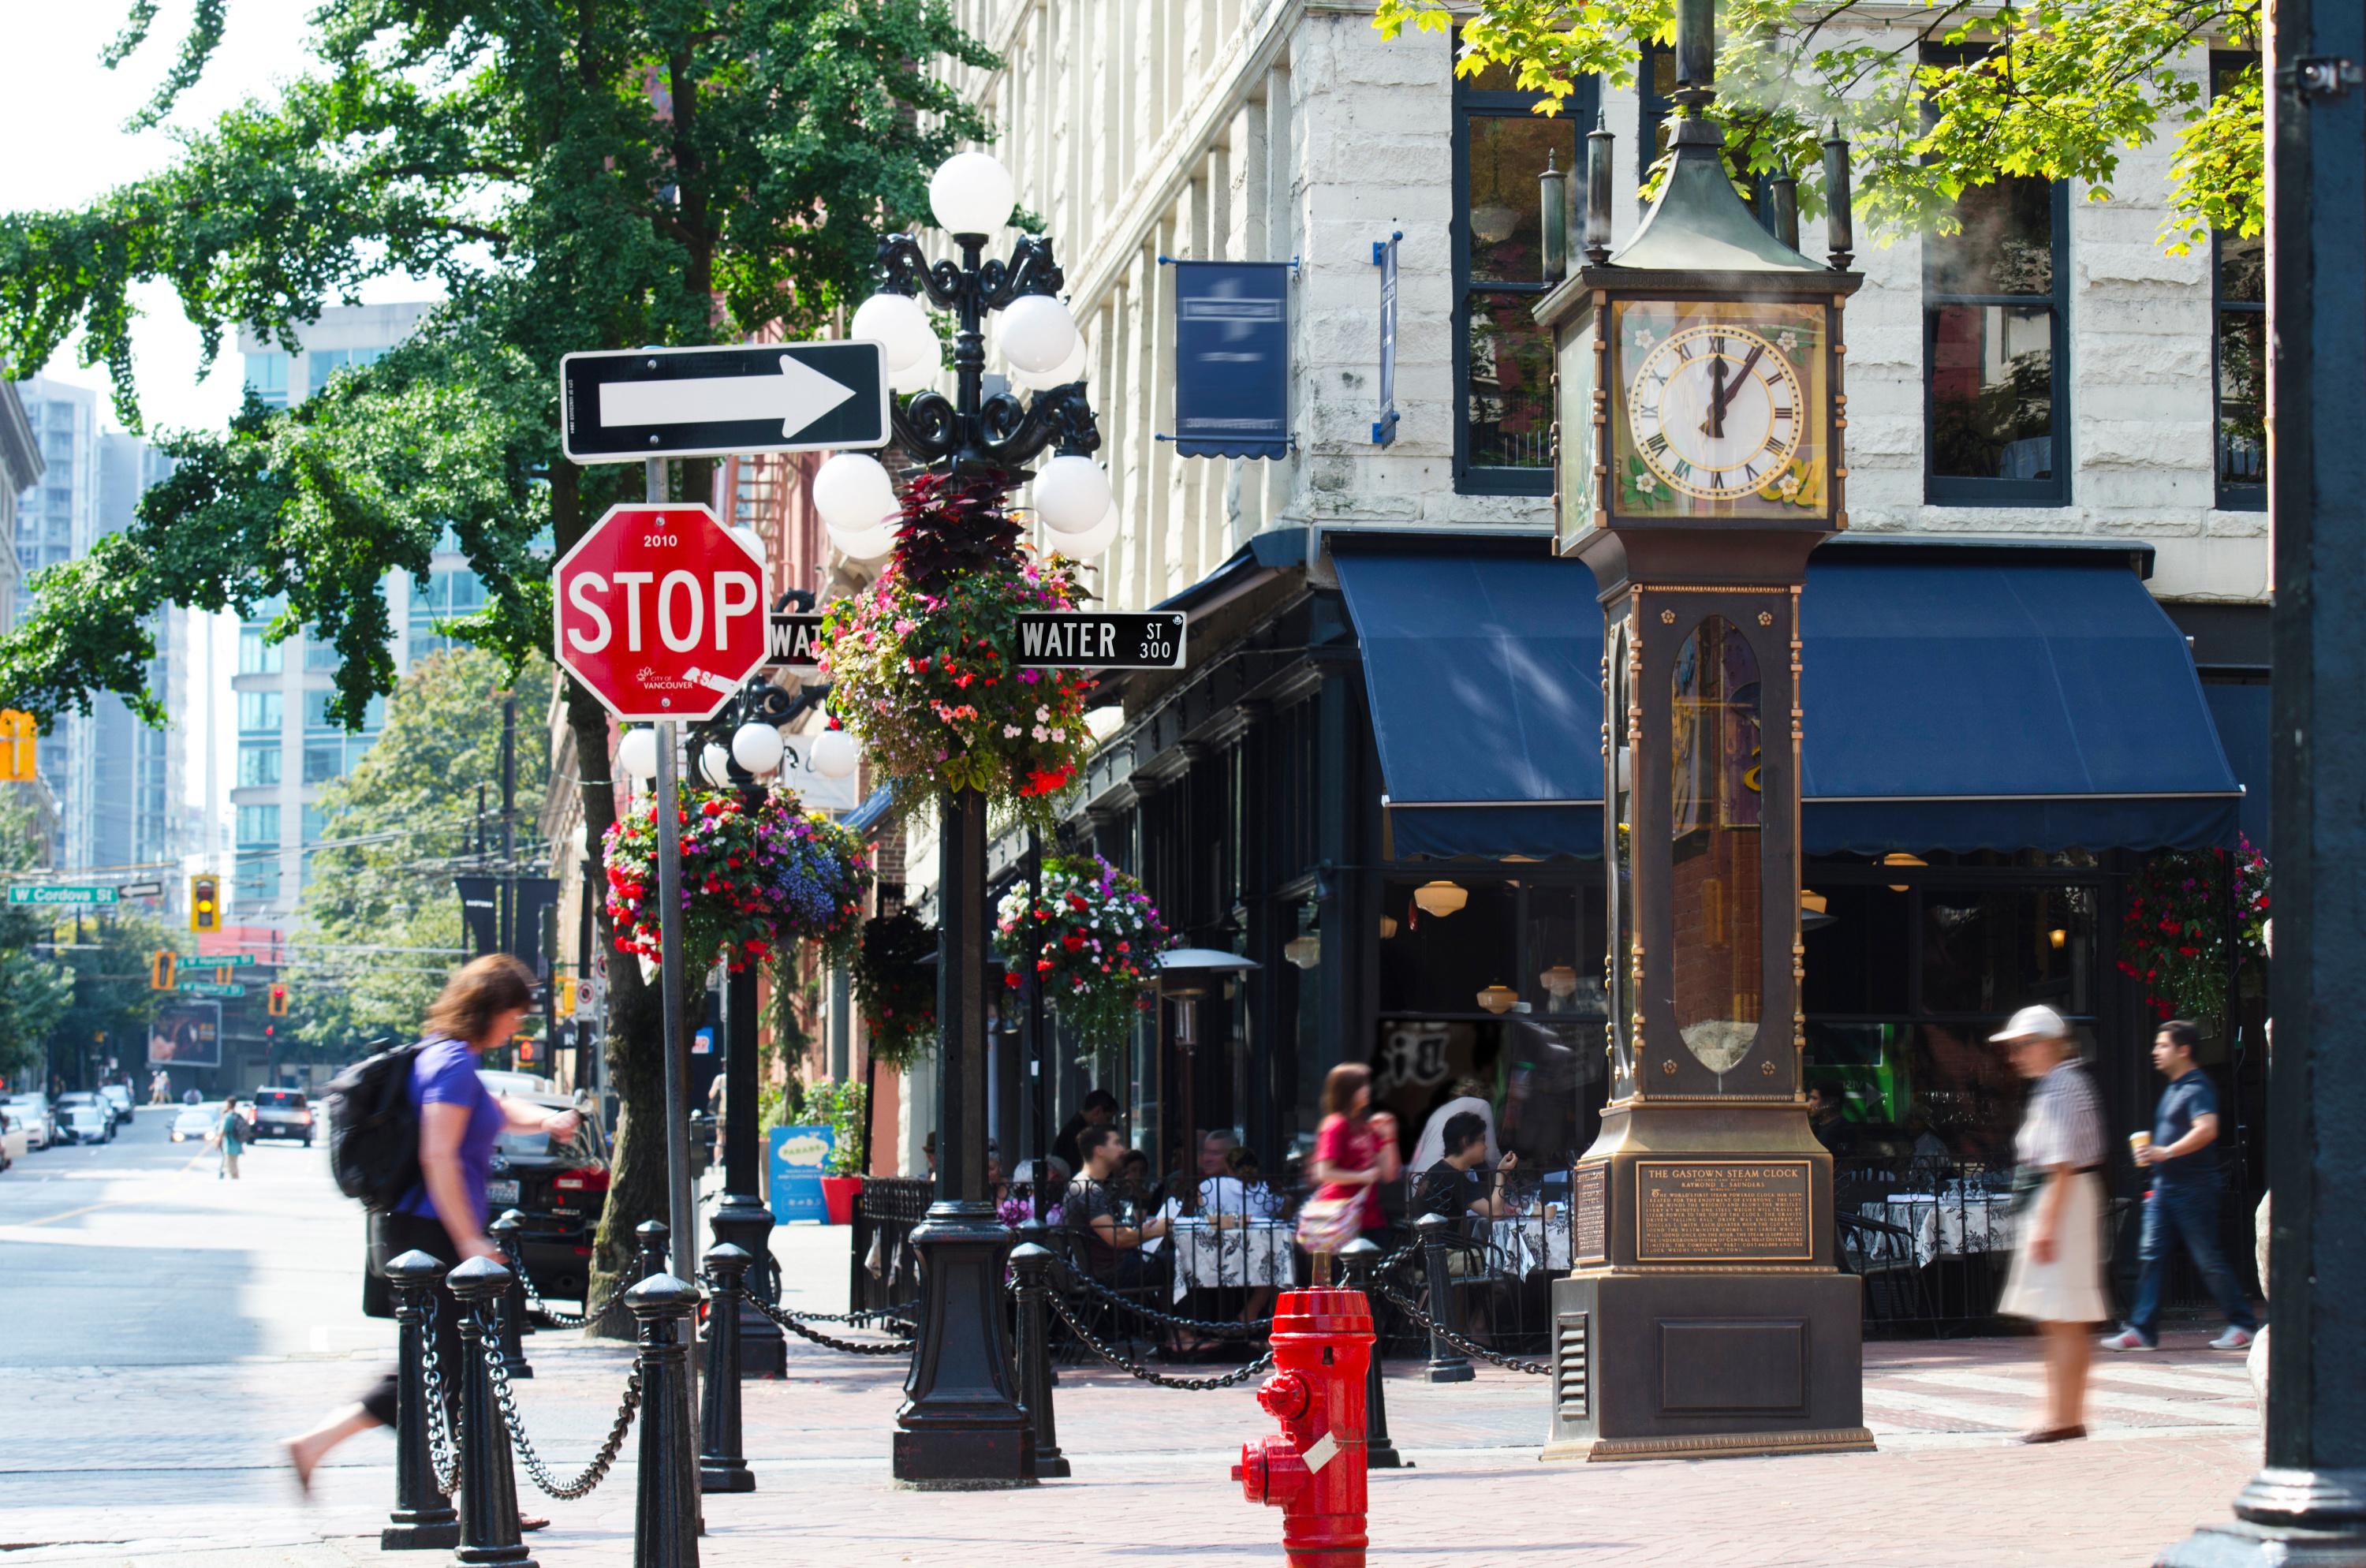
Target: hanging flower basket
[
  {"x": 923, "y": 663},
  {"x": 752, "y": 879},
  {"x": 1098, "y": 933},
  {"x": 2174, "y": 937},
  {"x": 895, "y": 988}
]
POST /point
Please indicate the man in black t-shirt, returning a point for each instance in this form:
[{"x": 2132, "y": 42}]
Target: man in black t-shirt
[
  {"x": 1112, "y": 1250},
  {"x": 1456, "y": 1187}
]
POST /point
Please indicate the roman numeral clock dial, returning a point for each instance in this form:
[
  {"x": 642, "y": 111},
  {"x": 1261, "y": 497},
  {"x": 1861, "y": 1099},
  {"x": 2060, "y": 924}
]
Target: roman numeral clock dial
[{"x": 1717, "y": 414}]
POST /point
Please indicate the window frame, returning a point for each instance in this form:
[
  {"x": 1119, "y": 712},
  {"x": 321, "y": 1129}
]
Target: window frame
[
  {"x": 1475, "y": 103},
  {"x": 2224, "y": 497},
  {"x": 1961, "y": 489}
]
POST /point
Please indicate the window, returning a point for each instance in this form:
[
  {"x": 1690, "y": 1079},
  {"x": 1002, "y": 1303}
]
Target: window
[
  {"x": 258, "y": 766},
  {"x": 266, "y": 375},
  {"x": 2238, "y": 291},
  {"x": 258, "y": 880},
  {"x": 1996, "y": 345},
  {"x": 316, "y": 709},
  {"x": 256, "y": 656},
  {"x": 315, "y": 824},
  {"x": 258, "y": 712},
  {"x": 320, "y": 654},
  {"x": 258, "y": 825},
  {"x": 1503, "y": 360},
  {"x": 323, "y": 761}
]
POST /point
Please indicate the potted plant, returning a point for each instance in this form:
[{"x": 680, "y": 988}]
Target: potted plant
[{"x": 840, "y": 1105}]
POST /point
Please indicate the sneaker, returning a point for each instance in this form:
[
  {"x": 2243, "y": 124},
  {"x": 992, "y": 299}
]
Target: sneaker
[
  {"x": 2233, "y": 1339},
  {"x": 2129, "y": 1339}
]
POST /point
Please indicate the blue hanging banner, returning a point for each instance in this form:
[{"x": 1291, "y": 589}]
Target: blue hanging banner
[
  {"x": 1384, "y": 256},
  {"x": 800, "y": 1158},
  {"x": 1232, "y": 359}
]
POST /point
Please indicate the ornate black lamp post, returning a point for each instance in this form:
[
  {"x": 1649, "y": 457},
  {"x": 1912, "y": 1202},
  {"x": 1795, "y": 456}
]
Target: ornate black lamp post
[{"x": 961, "y": 1424}]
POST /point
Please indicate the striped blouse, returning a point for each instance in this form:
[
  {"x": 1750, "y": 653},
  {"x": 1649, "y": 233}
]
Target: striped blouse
[{"x": 2064, "y": 1123}]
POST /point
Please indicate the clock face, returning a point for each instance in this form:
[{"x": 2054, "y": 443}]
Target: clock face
[{"x": 1717, "y": 412}]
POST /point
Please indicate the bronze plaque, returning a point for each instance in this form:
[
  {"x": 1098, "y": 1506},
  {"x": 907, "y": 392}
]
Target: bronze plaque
[
  {"x": 1590, "y": 1214},
  {"x": 1704, "y": 1211}
]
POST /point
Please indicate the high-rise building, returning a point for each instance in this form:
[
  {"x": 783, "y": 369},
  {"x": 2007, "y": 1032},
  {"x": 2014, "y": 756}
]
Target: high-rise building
[
  {"x": 288, "y": 747},
  {"x": 117, "y": 780}
]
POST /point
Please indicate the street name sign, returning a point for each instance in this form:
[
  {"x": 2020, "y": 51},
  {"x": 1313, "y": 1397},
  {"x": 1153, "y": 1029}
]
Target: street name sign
[
  {"x": 1082, "y": 639},
  {"x": 24, "y": 895},
  {"x": 659, "y": 612},
  {"x": 620, "y": 407},
  {"x": 212, "y": 988},
  {"x": 793, "y": 643},
  {"x": 219, "y": 961}
]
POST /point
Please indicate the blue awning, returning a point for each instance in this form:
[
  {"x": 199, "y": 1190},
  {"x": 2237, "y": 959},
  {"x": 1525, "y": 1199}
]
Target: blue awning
[
  {"x": 871, "y": 812},
  {"x": 2241, "y": 713},
  {"x": 1978, "y": 704}
]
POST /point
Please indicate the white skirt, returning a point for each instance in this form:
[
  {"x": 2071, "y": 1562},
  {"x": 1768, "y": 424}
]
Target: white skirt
[{"x": 2069, "y": 1289}]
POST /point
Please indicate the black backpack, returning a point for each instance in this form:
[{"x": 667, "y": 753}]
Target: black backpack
[{"x": 374, "y": 1128}]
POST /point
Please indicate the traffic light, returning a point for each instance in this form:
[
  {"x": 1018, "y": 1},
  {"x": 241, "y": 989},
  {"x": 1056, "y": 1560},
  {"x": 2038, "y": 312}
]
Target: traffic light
[
  {"x": 205, "y": 903},
  {"x": 277, "y": 1006},
  {"x": 159, "y": 972},
  {"x": 566, "y": 999},
  {"x": 526, "y": 1048},
  {"x": 19, "y": 739}
]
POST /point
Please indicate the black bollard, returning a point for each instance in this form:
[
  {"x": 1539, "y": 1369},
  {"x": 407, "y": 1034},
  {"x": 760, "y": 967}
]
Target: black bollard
[
  {"x": 489, "y": 1506},
  {"x": 1446, "y": 1364},
  {"x": 655, "y": 1238},
  {"x": 423, "y": 1518},
  {"x": 748, "y": 1225},
  {"x": 665, "y": 1507},
  {"x": 1359, "y": 1257},
  {"x": 1030, "y": 1264},
  {"x": 720, "y": 1466},
  {"x": 511, "y": 1315}
]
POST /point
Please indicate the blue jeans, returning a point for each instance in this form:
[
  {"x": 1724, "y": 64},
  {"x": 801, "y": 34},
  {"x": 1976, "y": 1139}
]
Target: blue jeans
[{"x": 2172, "y": 1213}]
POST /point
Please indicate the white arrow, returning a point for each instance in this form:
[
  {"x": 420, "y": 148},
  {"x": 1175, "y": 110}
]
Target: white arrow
[{"x": 796, "y": 397}]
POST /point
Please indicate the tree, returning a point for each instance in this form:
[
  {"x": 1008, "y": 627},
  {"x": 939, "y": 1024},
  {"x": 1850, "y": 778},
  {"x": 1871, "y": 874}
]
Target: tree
[
  {"x": 34, "y": 990},
  {"x": 396, "y": 830},
  {"x": 611, "y": 174},
  {"x": 109, "y": 1002},
  {"x": 1955, "y": 95}
]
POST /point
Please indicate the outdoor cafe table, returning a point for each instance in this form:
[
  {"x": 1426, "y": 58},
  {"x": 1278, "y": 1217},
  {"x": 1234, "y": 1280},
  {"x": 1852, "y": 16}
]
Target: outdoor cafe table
[
  {"x": 1948, "y": 1225},
  {"x": 1208, "y": 1257},
  {"x": 1521, "y": 1244}
]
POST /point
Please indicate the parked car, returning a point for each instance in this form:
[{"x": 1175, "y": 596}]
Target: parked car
[
  {"x": 39, "y": 1118},
  {"x": 559, "y": 1186},
  {"x": 84, "y": 1100},
  {"x": 120, "y": 1097},
  {"x": 13, "y": 1142},
  {"x": 282, "y": 1113},
  {"x": 86, "y": 1123},
  {"x": 193, "y": 1123}
]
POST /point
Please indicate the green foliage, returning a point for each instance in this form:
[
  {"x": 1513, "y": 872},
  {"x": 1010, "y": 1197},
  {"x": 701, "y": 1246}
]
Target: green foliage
[
  {"x": 841, "y": 1106},
  {"x": 896, "y": 986},
  {"x": 2055, "y": 88},
  {"x": 398, "y": 825},
  {"x": 109, "y": 1003},
  {"x": 34, "y": 991}
]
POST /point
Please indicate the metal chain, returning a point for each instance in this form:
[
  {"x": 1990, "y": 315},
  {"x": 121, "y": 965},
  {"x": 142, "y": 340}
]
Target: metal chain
[
  {"x": 789, "y": 1321},
  {"x": 442, "y": 1440},
  {"x": 1225, "y": 1330},
  {"x": 538, "y": 1472},
  {"x": 1468, "y": 1346},
  {"x": 907, "y": 1317},
  {"x": 1134, "y": 1368},
  {"x": 559, "y": 1319}
]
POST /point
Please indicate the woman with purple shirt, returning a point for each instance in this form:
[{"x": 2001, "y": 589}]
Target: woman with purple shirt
[{"x": 443, "y": 1214}]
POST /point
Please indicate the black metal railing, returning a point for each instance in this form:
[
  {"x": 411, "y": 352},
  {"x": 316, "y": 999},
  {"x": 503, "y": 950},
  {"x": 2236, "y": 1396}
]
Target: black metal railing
[{"x": 882, "y": 1269}]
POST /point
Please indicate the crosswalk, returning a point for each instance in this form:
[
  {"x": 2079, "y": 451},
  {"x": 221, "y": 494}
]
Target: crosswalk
[{"x": 1984, "y": 1394}]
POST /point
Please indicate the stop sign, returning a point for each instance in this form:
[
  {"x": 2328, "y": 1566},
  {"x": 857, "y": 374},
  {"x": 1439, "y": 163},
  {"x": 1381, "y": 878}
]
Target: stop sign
[{"x": 660, "y": 609}]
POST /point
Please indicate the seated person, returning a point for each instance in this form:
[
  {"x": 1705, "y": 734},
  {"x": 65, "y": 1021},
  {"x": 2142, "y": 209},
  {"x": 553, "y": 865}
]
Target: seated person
[
  {"x": 1827, "y": 1119},
  {"x": 1132, "y": 1178},
  {"x": 1112, "y": 1251},
  {"x": 1240, "y": 1194},
  {"x": 1457, "y": 1186}
]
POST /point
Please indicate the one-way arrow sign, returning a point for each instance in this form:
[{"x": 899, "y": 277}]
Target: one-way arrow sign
[{"x": 712, "y": 403}]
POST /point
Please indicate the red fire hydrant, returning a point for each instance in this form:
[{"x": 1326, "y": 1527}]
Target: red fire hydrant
[{"x": 1314, "y": 1471}]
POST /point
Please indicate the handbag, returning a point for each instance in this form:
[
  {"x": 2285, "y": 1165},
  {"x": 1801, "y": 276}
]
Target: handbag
[{"x": 1326, "y": 1224}]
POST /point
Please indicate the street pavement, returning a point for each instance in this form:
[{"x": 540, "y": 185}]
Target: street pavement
[{"x": 159, "y": 1328}]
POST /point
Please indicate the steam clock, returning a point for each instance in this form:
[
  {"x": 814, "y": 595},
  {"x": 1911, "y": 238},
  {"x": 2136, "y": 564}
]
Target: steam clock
[{"x": 1701, "y": 419}]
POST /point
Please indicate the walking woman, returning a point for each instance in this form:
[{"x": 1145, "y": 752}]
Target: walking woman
[
  {"x": 443, "y": 1214},
  {"x": 1355, "y": 1151},
  {"x": 230, "y": 1134},
  {"x": 2058, "y": 1275}
]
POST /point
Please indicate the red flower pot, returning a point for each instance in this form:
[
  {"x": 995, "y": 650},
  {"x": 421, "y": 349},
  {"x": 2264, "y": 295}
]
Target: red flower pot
[{"x": 837, "y": 1195}]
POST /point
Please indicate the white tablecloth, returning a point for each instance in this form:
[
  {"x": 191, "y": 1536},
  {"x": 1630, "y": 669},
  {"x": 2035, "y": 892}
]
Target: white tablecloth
[
  {"x": 1947, "y": 1226},
  {"x": 1524, "y": 1243},
  {"x": 1206, "y": 1257}
]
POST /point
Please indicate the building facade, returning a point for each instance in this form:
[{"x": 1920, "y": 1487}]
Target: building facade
[
  {"x": 279, "y": 693},
  {"x": 1388, "y": 734}
]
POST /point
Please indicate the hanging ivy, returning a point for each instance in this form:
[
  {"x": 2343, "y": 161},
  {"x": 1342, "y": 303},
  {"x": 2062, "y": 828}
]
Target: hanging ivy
[{"x": 896, "y": 986}]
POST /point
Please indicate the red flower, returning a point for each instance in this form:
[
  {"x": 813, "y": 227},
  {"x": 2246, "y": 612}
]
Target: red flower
[{"x": 1009, "y": 979}]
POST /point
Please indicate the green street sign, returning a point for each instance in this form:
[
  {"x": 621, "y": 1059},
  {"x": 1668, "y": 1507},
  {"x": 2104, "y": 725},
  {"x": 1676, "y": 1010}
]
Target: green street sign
[
  {"x": 211, "y": 989},
  {"x": 219, "y": 961},
  {"x": 22, "y": 894}
]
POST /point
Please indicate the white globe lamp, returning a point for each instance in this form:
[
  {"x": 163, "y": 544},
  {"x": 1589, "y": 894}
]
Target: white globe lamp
[
  {"x": 1092, "y": 541},
  {"x": 835, "y": 754},
  {"x": 715, "y": 764},
  {"x": 898, "y": 324},
  {"x": 1069, "y": 369},
  {"x": 757, "y": 748},
  {"x": 1037, "y": 334},
  {"x": 637, "y": 753},
  {"x": 864, "y": 544},
  {"x": 752, "y": 539},
  {"x": 1072, "y": 494},
  {"x": 853, "y": 493},
  {"x": 971, "y": 193}
]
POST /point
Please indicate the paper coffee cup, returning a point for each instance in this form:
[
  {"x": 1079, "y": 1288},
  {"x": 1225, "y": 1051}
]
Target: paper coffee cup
[{"x": 2139, "y": 1142}]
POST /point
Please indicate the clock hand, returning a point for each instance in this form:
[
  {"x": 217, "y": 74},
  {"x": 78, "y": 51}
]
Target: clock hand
[
  {"x": 1714, "y": 426},
  {"x": 1722, "y": 392}
]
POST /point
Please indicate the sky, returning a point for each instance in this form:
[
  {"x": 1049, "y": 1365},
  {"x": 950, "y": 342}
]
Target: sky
[{"x": 63, "y": 118}]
